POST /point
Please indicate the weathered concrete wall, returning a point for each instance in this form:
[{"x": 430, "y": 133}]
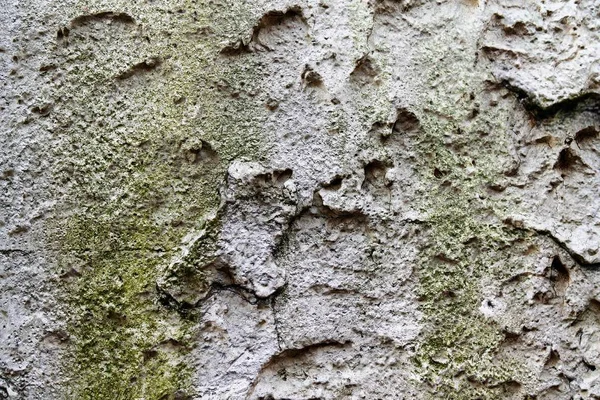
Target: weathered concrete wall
[{"x": 314, "y": 199}]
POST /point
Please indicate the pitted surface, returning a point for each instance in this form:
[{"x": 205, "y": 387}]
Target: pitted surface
[{"x": 315, "y": 199}]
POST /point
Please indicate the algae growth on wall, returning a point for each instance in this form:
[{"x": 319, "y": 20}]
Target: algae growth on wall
[{"x": 315, "y": 199}]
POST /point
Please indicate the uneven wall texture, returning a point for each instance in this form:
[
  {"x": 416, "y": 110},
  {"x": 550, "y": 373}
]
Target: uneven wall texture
[{"x": 299, "y": 199}]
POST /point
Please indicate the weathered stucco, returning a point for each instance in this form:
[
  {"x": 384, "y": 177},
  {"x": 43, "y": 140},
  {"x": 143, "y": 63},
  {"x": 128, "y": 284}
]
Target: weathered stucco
[{"x": 275, "y": 199}]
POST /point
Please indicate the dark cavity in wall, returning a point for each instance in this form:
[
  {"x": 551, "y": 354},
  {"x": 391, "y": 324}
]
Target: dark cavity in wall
[
  {"x": 587, "y": 101},
  {"x": 365, "y": 71},
  {"x": 406, "y": 121},
  {"x": 145, "y": 66},
  {"x": 269, "y": 20},
  {"x": 586, "y": 134},
  {"x": 103, "y": 16},
  {"x": 375, "y": 171},
  {"x": 568, "y": 159}
]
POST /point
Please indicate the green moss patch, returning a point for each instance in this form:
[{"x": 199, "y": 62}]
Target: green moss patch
[
  {"x": 141, "y": 157},
  {"x": 459, "y": 153}
]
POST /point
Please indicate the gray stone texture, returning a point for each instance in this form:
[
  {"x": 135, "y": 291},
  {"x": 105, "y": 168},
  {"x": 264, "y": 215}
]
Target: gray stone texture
[{"x": 312, "y": 199}]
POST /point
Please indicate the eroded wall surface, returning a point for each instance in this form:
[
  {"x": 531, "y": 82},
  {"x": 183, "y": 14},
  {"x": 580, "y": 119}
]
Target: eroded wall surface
[{"x": 300, "y": 199}]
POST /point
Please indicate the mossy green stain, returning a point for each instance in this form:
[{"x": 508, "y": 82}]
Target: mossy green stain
[
  {"x": 458, "y": 345},
  {"x": 462, "y": 250},
  {"x": 135, "y": 193},
  {"x": 120, "y": 332}
]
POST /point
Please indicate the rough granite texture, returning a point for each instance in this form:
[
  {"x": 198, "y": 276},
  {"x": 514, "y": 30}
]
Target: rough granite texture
[{"x": 300, "y": 199}]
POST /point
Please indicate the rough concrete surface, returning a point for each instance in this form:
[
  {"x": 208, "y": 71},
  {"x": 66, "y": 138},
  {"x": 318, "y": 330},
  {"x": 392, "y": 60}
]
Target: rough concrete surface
[{"x": 300, "y": 199}]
